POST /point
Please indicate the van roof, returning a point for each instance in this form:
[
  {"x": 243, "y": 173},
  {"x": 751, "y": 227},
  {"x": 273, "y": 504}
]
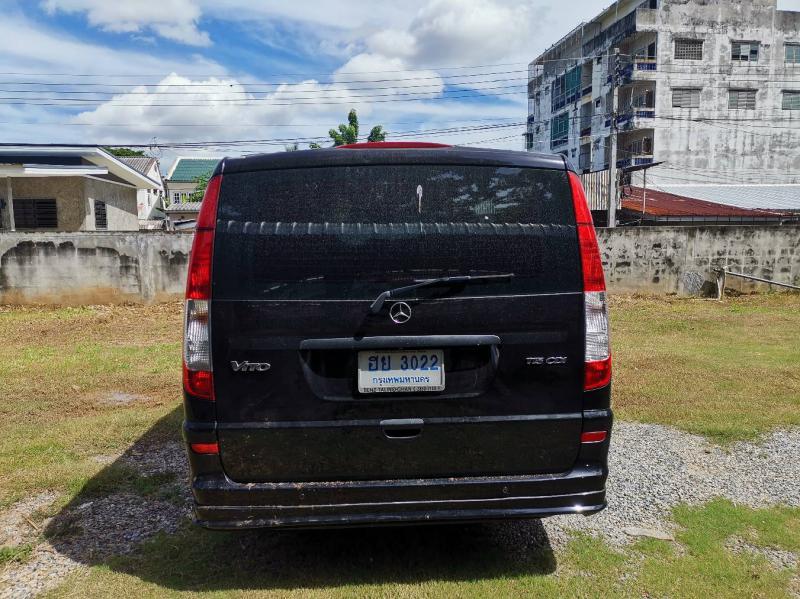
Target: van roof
[{"x": 380, "y": 156}]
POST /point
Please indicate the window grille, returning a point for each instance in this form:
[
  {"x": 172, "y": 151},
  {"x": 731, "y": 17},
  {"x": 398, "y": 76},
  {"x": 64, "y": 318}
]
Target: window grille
[{"x": 689, "y": 49}]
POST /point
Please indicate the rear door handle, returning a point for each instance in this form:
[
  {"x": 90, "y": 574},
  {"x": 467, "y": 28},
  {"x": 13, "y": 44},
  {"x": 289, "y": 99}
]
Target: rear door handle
[{"x": 406, "y": 428}]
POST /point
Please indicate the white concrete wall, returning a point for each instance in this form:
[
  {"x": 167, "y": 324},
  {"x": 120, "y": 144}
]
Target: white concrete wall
[
  {"x": 84, "y": 268},
  {"x": 108, "y": 267},
  {"x": 121, "y": 211}
]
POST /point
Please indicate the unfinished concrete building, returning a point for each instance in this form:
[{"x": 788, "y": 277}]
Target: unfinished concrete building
[{"x": 711, "y": 88}]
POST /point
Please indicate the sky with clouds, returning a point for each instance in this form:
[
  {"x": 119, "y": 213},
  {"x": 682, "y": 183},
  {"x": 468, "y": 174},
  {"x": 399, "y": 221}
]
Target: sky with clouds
[{"x": 204, "y": 71}]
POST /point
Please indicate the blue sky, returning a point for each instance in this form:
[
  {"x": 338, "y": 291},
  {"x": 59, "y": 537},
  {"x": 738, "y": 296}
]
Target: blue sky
[{"x": 203, "y": 71}]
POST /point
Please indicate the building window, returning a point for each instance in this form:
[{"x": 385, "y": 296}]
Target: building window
[
  {"x": 176, "y": 197},
  {"x": 641, "y": 147},
  {"x": 791, "y": 100},
  {"x": 559, "y": 132},
  {"x": 742, "y": 99},
  {"x": 685, "y": 98},
  {"x": 100, "y": 216},
  {"x": 689, "y": 49},
  {"x": 35, "y": 214},
  {"x": 793, "y": 53},
  {"x": 566, "y": 89},
  {"x": 744, "y": 51}
]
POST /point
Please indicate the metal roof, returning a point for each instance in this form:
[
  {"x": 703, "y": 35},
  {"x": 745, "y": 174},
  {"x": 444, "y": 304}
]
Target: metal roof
[
  {"x": 660, "y": 203},
  {"x": 140, "y": 163},
  {"x": 184, "y": 207},
  {"x": 775, "y": 197},
  {"x": 187, "y": 170}
]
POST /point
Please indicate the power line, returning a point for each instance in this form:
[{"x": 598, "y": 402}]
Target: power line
[
  {"x": 245, "y": 92},
  {"x": 280, "y": 141},
  {"x": 264, "y": 83}
]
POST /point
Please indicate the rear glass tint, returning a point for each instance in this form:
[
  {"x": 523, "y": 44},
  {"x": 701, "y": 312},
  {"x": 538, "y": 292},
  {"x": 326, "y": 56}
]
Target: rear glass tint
[
  {"x": 352, "y": 232},
  {"x": 398, "y": 194}
]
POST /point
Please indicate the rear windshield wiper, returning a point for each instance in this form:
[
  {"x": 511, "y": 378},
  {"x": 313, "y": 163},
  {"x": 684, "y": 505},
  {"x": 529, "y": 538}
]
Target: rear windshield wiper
[{"x": 454, "y": 280}]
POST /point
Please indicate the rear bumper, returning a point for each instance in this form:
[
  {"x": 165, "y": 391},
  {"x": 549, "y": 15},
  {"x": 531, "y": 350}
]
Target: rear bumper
[{"x": 223, "y": 504}]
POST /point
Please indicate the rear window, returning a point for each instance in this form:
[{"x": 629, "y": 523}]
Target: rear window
[
  {"x": 352, "y": 232},
  {"x": 397, "y": 194}
]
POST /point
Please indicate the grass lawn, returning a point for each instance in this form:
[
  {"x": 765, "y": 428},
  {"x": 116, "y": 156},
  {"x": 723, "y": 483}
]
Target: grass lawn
[
  {"x": 725, "y": 370},
  {"x": 81, "y": 385}
]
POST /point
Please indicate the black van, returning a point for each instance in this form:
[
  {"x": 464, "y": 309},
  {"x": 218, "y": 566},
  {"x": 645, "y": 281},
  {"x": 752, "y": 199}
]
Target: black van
[{"x": 395, "y": 333}]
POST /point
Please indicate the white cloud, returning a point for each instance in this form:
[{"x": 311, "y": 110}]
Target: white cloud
[
  {"x": 175, "y": 20},
  {"x": 462, "y": 32}
]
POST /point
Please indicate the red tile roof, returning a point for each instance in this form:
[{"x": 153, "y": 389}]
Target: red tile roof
[{"x": 660, "y": 203}]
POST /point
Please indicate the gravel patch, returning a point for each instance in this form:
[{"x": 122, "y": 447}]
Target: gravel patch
[
  {"x": 91, "y": 531},
  {"x": 16, "y": 525},
  {"x": 118, "y": 398},
  {"x": 777, "y": 558},
  {"x": 653, "y": 468}
]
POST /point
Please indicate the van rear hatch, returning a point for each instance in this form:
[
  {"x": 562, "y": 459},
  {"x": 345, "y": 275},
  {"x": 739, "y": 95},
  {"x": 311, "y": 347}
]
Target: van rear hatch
[{"x": 303, "y": 249}]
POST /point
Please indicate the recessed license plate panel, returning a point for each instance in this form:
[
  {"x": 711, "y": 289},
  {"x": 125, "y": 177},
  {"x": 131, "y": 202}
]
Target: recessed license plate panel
[{"x": 401, "y": 371}]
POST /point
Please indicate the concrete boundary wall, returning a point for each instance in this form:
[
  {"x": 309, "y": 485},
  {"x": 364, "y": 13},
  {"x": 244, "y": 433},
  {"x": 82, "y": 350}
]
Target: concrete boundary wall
[
  {"x": 95, "y": 267},
  {"x": 682, "y": 259},
  {"x": 92, "y": 267}
]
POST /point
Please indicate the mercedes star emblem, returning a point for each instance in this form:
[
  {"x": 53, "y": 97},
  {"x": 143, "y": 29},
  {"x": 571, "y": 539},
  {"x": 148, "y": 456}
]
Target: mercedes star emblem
[{"x": 400, "y": 312}]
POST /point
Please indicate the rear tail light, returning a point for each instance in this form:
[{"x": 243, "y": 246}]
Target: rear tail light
[
  {"x": 594, "y": 436},
  {"x": 597, "y": 369},
  {"x": 205, "y": 448},
  {"x": 198, "y": 379}
]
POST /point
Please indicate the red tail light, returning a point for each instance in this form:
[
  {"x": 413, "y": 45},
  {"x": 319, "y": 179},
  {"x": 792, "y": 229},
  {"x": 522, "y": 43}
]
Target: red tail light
[
  {"x": 597, "y": 368},
  {"x": 198, "y": 379},
  {"x": 199, "y": 383},
  {"x": 205, "y": 448},
  {"x": 593, "y": 278},
  {"x": 198, "y": 282},
  {"x": 594, "y": 437},
  {"x": 597, "y": 374}
]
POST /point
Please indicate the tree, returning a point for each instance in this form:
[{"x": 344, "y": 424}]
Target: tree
[
  {"x": 200, "y": 188},
  {"x": 348, "y": 134},
  {"x": 377, "y": 134},
  {"x": 125, "y": 152}
]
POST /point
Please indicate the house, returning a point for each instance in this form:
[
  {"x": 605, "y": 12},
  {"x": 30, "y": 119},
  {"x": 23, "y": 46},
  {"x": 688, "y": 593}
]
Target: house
[
  {"x": 149, "y": 202},
  {"x": 182, "y": 178},
  {"x": 711, "y": 89},
  {"x": 68, "y": 188},
  {"x": 182, "y": 215},
  {"x": 183, "y": 175},
  {"x": 658, "y": 207}
]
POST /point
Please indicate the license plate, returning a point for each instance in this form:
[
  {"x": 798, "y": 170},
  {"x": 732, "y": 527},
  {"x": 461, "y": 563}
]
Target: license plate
[{"x": 400, "y": 371}]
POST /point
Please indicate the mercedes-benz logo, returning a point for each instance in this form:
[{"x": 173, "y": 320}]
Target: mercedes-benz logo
[{"x": 400, "y": 312}]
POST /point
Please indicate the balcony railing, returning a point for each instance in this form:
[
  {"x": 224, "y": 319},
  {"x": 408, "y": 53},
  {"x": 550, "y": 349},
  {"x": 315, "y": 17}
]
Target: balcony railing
[
  {"x": 634, "y": 161},
  {"x": 646, "y": 64}
]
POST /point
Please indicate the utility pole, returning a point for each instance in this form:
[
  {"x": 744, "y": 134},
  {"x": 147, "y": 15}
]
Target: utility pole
[{"x": 612, "y": 161}]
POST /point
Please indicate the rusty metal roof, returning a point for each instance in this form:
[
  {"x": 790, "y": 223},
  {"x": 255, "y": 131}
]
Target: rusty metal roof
[{"x": 660, "y": 203}]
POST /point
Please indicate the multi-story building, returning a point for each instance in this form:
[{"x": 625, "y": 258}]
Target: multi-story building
[{"x": 710, "y": 88}]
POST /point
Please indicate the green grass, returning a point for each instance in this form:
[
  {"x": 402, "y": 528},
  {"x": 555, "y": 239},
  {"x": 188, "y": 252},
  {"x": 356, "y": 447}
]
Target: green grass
[
  {"x": 463, "y": 561},
  {"x": 17, "y": 554},
  {"x": 725, "y": 370}
]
